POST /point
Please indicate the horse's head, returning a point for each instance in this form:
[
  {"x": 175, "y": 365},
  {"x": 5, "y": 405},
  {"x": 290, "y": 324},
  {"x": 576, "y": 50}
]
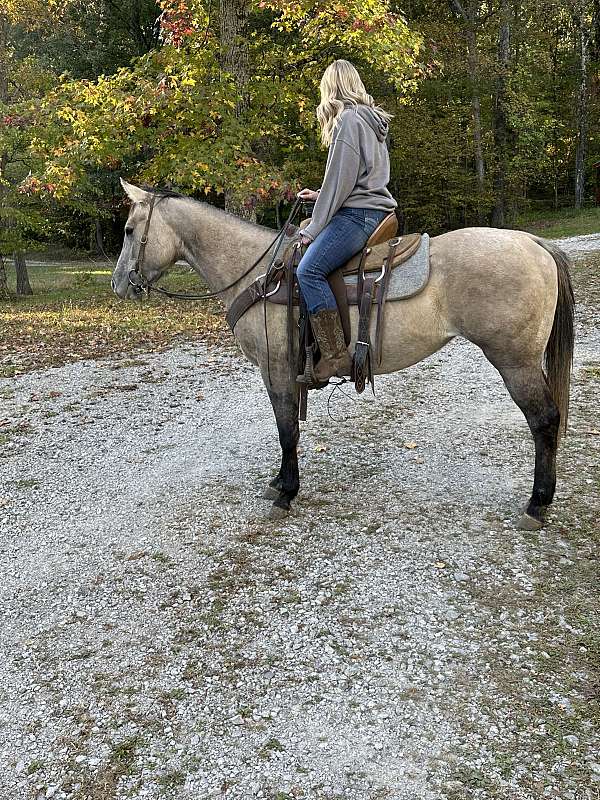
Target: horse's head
[{"x": 149, "y": 246}]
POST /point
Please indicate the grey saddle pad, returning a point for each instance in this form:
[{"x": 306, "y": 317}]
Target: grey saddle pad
[{"x": 409, "y": 278}]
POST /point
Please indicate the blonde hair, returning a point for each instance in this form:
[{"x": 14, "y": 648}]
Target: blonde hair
[{"x": 341, "y": 84}]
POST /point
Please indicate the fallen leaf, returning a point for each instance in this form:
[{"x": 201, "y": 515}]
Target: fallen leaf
[
  {"x": 410, "y": 445},
  {"x": 440, "y": 564}
]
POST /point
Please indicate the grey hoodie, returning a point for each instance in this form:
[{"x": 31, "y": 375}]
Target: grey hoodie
[{"x": 357, "y": 170}]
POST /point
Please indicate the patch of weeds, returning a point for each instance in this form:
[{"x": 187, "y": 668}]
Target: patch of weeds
[
  {"x": 472, "y": 778},
  {"x": 173, "y": 779},
  {"x": 27, "y": 483},
  {"x": 187, "y": 635},
  {"x": 162, "y": 558},
  {"x": 592, "y": 368},
  {"x": 104, "y": 784},
  {"x": 35, "y": 765},
  {"x": 175, "y": 694},
  {"x": 81, "y": 655},
  {"x": 291, "y": 597},
  {"x": 272, "y": 745},
  {"x": 341, "y": 588},
  {"x": 10, "y": 433},
  {"x": 505, "y": 764},
  {"x": 124, "y": 752}
]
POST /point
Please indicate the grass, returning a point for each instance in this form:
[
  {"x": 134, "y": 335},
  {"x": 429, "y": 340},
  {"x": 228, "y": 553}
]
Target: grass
[
  {"x": 559, "y": 224},
  {"x": 73, "y": 314}
]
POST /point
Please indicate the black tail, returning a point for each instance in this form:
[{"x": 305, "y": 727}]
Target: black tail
[{"x": 558, "y": 358}]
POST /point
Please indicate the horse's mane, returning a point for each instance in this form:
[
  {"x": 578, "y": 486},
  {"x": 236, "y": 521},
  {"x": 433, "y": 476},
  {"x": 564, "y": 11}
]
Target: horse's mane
[
  {"x": 164, "y": 194},
  {"x": 159, "y": 192}
]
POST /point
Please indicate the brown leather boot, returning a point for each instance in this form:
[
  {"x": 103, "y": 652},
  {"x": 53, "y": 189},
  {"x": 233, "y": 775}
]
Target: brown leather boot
[{"x": 335, "y": 359}]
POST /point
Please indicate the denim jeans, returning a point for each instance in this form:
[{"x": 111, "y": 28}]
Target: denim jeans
[{"x": 345, "y": 234}]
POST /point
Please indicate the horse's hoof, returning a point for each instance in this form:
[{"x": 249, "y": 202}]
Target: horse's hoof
[
  {"x": 277, "y": 513},
  {"x": 529, "y": 523},
  {"x": 270, "y": 493}
]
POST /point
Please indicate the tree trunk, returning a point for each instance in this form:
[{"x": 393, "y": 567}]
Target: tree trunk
[
  {"x": 23, "y": 285},
  {"x": 473, "y": 62},
  {"x": 583, "y": 95},
  {"x": 501, "y": 121},
  {"x": 99, "y": 236},
  {"x": 235, "y": 60},
  {"x": 469, "y": 14},
  {"x": 4, "y": 293}
]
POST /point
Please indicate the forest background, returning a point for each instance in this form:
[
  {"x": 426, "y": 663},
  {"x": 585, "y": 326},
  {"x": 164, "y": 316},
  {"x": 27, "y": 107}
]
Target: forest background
[{"x": 496, "y": 108}]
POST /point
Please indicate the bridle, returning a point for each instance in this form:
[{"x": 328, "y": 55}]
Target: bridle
[{"x": 141, "y": 284}]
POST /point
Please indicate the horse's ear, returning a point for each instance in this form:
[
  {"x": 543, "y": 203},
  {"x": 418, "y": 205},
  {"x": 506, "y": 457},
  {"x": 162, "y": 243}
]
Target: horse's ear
[{"x": 134, "y": 193}]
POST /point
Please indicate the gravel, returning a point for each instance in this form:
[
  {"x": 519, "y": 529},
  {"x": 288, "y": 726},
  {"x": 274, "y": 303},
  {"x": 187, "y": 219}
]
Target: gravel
[{"x": 395, "y": 637}]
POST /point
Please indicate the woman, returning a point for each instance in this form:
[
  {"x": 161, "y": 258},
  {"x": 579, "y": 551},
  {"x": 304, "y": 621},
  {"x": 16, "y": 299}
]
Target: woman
[{"x": 350, "y": 204}]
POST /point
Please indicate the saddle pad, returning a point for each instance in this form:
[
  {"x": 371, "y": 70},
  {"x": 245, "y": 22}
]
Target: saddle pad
[{"x": 408, "y": 278}]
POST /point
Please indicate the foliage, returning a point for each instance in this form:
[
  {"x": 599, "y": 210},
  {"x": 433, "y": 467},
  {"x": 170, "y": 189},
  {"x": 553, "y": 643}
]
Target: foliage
[{"x": 97, "y": 93}]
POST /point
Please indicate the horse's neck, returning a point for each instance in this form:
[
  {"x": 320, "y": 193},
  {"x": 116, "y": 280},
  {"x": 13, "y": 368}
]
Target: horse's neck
[{"x": 219, "y": 246}]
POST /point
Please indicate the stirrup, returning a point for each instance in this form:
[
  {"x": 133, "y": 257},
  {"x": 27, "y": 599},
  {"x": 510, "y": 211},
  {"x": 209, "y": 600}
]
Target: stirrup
[{"x": 308, "y": 376}]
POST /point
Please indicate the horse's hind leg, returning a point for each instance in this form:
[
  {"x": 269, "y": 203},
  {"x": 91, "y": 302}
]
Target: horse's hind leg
[
  {"x": 284, "y": 487},
  {"x": 529, "y": 389}
]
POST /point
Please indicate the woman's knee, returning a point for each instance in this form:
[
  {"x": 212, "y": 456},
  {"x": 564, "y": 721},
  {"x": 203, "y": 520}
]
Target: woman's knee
[{"x": 306, "y": 269}]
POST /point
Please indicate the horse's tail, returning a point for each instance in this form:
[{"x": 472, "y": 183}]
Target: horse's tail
[{"x": 558, "y": 357}]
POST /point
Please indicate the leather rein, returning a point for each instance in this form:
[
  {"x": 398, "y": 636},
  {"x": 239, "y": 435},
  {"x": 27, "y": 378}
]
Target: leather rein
[{"x": 140, "y": 283}]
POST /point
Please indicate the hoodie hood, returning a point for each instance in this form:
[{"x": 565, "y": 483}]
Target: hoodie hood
[{"x": 375, "y": 120}]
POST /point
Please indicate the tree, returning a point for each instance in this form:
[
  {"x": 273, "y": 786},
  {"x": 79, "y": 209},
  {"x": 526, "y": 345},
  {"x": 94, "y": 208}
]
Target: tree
[
  {"x": 585, "y": 24},
  {"x": 175, "y": 114}
]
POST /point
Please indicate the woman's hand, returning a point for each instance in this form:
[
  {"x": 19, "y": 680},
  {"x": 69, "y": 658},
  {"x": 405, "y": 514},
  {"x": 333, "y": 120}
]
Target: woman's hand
[{"x": 308, "y": 194}]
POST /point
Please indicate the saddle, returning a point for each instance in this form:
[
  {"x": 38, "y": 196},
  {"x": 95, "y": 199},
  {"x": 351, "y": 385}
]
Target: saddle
[{"x": 364, "y": 281}]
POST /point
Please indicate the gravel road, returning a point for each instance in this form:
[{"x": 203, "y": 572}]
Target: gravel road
[{"x": 395, "y": 637}]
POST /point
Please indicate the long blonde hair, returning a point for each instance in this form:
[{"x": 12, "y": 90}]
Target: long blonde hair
[{"x": 341, "y": 84}]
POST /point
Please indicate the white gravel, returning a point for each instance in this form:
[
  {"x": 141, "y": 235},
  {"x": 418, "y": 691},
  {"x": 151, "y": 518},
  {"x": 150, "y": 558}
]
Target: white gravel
[
  {"x": 577, "y": 246},
  {"x": 395, "y": 638}
]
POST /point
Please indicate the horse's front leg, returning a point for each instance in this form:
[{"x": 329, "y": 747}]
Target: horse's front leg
[{"x": 284, "y": 487}]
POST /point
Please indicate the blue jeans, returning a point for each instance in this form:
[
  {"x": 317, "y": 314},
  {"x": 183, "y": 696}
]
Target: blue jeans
[{"x": 344, "y": 235}]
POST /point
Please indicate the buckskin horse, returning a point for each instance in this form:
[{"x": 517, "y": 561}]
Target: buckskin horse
[{"x": 507, "y": 291}]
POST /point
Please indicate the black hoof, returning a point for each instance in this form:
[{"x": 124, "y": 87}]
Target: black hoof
[
  {"x": 277, "y": 512},
  {"x": 271, "y": 493},
  {"x": 528, "y": 523}
]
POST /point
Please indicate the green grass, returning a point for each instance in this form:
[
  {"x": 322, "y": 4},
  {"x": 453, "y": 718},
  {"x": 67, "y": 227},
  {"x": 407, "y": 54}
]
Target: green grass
[
  {"x": 559, "y": 224},
  {"x": 74, "y": 314}
]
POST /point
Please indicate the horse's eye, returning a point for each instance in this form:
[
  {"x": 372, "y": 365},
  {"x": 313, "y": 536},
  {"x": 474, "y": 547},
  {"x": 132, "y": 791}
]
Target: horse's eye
[{"x": 128, "y": 231}]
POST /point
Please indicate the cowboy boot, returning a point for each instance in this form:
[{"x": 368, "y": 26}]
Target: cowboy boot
[{"x": 335, "y": 359}]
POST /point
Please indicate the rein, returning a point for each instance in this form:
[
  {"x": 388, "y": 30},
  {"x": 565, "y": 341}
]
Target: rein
[{"x": 141, "y": 284}]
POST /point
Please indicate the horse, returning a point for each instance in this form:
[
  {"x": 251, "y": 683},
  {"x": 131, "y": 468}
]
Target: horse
[{"x": 507, "y": 291}]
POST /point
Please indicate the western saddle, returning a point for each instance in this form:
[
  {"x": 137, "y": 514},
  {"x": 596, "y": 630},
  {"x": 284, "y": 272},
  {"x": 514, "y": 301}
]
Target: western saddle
[{"x": 363, "y": 282}]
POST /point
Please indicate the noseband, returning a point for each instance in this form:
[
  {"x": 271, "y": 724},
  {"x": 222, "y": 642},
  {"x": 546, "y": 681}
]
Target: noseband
[{"x": 137, "y": 278}]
